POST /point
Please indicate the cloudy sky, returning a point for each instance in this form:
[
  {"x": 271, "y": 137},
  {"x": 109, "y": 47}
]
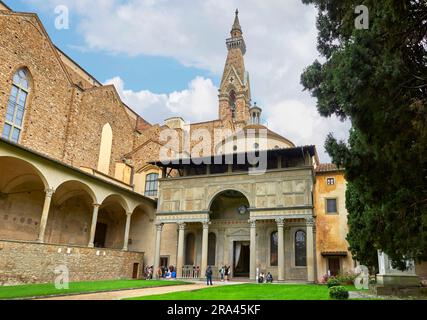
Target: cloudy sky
[{"x": 165, "y": 57}]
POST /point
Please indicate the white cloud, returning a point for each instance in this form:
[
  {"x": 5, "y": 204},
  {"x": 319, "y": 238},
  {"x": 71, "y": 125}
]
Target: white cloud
[
  {"x": 300, "y": 123},
  {"x": 280, "y": 37},
  {"x": 196, "y": 103}
]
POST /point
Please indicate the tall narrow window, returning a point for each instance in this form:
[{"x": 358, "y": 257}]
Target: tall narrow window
[
  {"x": 273, "y": 248},
  {"x": 151, "y": 184},
  {"x": 211, "y": 249},
  {"x": 189, "y": 249},
  {"x": 300, "y": 249},
  {"x": 16, "y": 106}
]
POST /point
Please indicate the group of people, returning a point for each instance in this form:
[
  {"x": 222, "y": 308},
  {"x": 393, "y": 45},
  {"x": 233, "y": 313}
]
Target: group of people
[
  {"x": 162, "y": 272},
  {"x": 265, "y": 278}
]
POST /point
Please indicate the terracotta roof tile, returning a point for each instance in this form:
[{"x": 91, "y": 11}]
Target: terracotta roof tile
[{"x": 327, "y": 167}]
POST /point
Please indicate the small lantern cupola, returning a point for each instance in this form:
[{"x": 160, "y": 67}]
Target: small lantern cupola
[{"x": 255, "y": 113}]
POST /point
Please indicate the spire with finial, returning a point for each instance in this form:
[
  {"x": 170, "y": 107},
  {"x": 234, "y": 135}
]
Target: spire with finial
[
  {"x": 236, "y": 40},
  {"x": 236, "y": 26}
]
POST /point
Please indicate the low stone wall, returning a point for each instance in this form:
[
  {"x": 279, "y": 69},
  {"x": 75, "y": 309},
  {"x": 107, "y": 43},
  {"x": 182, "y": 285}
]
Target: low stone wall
[{"x": 29, "y": 262}]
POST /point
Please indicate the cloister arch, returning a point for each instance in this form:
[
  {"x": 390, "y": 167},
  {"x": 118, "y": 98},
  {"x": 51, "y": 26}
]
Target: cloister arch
[
  {"x": 142, "y": 231},
  {"x": 22, "y": 189},
  {"x": 111, "y": 222},
  {"x": 70, "y": 214}
]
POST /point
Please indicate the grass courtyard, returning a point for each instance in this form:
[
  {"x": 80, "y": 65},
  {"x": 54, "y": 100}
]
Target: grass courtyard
[
  {"x": 251, "y": 292},
  {"x": 48, "y": 289}
]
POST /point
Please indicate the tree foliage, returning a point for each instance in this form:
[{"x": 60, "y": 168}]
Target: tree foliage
[{"x": 377, "y": 78}]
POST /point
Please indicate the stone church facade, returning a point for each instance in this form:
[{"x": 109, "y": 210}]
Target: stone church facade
[{"x": 82, "y": 183}]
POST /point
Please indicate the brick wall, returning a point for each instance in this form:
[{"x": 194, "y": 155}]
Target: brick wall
[{"x": 29, "y": 262}]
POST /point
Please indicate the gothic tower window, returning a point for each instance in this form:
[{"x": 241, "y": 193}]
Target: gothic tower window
[
  {"x": 232, "y": 103},
  {"x": 16, "y": 105}
]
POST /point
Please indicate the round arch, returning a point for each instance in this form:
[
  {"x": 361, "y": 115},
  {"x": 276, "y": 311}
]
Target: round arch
[
  {"x": 71, "y": 188},
  {"x": 229, "y": 204},
  {"x": 22, "y": 196},
  {"x": 19, "y": 166},
  {"x": 218, "y": 193},
  {"x": 116, "y": 198}
]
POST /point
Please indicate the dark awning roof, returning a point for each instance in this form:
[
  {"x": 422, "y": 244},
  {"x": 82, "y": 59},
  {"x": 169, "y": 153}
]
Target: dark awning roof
[
  {"x": 214, "y": 159},
  {"x": 334, "y": 253}
]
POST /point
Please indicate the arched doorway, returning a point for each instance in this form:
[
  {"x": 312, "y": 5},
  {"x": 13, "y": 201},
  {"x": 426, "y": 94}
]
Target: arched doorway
[
  {"x": 70, "y": 215},
  {"x": 229, "y": 211},
  {"x": 22, "y": 194}
]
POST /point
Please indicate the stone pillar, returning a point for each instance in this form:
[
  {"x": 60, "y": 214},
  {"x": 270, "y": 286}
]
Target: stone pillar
[
  {"x": 280, "y": 249},
  {"x": 93, "y": 225},
  {"x": 205, "y": 235},
  {"x": 159, "y": 227},
  {"x": 310, "y": 249},
  {"x": 127, "y": 229},
  {"x": 180, "y": 255},
  {"x": 45, "y": 213},
  {"x": 252, "y": 258}
]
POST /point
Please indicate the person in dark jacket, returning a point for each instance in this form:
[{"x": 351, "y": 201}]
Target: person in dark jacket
[{"x": 209, "y": 275}]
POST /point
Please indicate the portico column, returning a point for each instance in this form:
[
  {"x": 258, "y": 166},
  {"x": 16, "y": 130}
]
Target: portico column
[
  {"x": 127, "y": 229},
  {"x": 204, "y": 248},
  {"x": 159, "y": 227},
  {"x": 93, "y": 226},
  {"x": 281, "y": 249},
  {"x": 252, "y": 258},
  {"x": 310, "y": 249},
  {"x": 180, "y": 257},
  {"x": 45, "y": 213}
]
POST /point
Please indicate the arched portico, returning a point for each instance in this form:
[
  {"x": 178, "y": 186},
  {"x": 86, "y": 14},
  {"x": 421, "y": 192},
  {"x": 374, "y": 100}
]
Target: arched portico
[
  {"x": 22, "y": 193},
  {"x": 70, "y": 214}
]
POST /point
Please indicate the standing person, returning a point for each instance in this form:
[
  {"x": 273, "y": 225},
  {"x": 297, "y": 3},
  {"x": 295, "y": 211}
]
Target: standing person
[
  {"x": 222, "y": 273},
  {"x": 209, "y": 275},
  {"x": 227, "y": 273}
]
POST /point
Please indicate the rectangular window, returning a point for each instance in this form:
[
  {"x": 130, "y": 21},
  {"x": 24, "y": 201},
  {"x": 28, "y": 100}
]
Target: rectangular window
[
  {"x": 331, "y": 206},
  {"x": 330, "y": 181},
  {"x": 151, "y": 184}
]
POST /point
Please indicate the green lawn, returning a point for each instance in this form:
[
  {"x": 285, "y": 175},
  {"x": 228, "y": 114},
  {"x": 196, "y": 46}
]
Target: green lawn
[
  {"x": 251, "y": 292},
  {"x": 34, "y": 290}
]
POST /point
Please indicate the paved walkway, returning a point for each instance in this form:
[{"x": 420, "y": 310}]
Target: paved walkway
[{"x": 118, "y": 295}]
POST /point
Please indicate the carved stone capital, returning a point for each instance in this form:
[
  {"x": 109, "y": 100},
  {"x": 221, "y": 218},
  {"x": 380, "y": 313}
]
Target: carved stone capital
[
  {"x": 159, "y": 226},
  {"x": 206, "y": 224},
  {"x": 252, "y": 223},
  {"x": 309, "y": 221},
  {"x": 280, "y": 222},
  {"x": 181, "y": 225}
]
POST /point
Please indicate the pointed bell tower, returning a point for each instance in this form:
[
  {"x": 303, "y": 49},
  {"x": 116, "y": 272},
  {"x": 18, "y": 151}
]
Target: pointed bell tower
[{"x": 234, "y": 92}]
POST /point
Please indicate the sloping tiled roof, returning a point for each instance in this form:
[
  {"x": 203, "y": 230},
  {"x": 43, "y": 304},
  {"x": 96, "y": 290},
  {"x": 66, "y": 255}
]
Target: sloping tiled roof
[{"x": 327, "y": 167}]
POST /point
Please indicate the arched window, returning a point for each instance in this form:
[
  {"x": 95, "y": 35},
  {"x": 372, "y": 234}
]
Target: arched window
[
  {"x": 189, "y": 249},
  {"x": 151, "y": 184},
  {"x": 300, "y": 249},
  {"x": 105, "y": 149},
  {"x": 273, "y": 248},
  {"x": 232, "y": 103},
  {"x": 211, "y": 248},
  {"x": 16, "y": 105}
]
